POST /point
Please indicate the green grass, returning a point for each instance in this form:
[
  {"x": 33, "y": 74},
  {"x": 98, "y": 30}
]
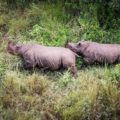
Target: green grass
[{"x": 38, "y": 95}]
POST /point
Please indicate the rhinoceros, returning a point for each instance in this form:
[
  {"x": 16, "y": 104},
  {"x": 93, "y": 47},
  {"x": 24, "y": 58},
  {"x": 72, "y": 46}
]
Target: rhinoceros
[
  {"x": 35, "y": 55},
  {"x": 94, "y": 52}
]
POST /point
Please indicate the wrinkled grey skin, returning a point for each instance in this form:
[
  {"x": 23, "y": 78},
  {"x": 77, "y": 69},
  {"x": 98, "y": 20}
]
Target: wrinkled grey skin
[
  {"x": 94, "y": 52},
  {"x": 44, "y": 57}
]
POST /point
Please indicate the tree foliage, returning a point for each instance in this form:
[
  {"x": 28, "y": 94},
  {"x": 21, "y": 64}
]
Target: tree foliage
[
  {"x": 107, "y": 11},
  {"x": 17, "y": 3}
]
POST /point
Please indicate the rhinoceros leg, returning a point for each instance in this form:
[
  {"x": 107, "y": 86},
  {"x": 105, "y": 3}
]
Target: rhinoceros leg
[
  {"x": 88, "y": 61},
  {"x": 28, "y": 63},
  {"x": 73, "y": 70}
]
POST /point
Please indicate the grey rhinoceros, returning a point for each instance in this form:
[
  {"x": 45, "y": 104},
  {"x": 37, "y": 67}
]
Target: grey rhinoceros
[
  {"x": 44, "y": 57},
  {"x": 94, "y": 52}
]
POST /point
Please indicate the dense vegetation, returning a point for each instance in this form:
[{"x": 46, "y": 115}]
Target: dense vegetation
[{"x": 39, "y": 95}]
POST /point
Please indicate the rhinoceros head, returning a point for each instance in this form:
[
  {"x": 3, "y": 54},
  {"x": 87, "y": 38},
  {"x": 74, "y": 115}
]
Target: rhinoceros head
[
  {"x": 12, "y": 48},
  {"x": 79, "y": 47}
]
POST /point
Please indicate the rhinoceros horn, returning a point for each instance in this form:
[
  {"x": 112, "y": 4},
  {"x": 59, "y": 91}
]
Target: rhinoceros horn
[{"x": 11, "y": 47}]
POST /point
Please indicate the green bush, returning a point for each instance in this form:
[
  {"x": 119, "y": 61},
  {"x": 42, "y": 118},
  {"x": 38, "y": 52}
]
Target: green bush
[
  {"x": 50, "y": 34},
  {"x": 107, "y": 12}
]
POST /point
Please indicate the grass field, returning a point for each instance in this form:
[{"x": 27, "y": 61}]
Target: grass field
[{"x": 39, "y": 95}]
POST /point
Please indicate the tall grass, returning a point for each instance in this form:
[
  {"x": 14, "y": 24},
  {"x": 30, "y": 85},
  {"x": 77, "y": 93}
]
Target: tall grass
[
  {"x": 37, "y": 95},
  {"x": 92, "y": 97},
  {"x": 27, "y": 97}
]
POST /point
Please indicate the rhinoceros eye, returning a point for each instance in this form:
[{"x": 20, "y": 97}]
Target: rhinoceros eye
[
  {"x": 79, "y": 44},
  {"x": 18, "y": 47}
]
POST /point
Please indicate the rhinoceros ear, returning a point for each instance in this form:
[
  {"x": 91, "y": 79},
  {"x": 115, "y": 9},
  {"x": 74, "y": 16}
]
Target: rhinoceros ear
[
  {"x": 67, "y": 41},
  {"x": 79, "y": 43}
]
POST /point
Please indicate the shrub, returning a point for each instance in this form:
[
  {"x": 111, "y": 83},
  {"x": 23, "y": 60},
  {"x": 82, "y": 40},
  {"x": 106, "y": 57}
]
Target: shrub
[
  {"x": 17, "y": 25},
  {"x": 107, "y": 12}
]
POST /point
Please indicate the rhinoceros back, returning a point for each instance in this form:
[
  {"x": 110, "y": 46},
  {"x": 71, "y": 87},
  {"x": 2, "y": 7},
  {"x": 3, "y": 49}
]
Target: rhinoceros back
[
  {"x": 48, "y": 57},
  {"x": 109, "y": 53}
]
